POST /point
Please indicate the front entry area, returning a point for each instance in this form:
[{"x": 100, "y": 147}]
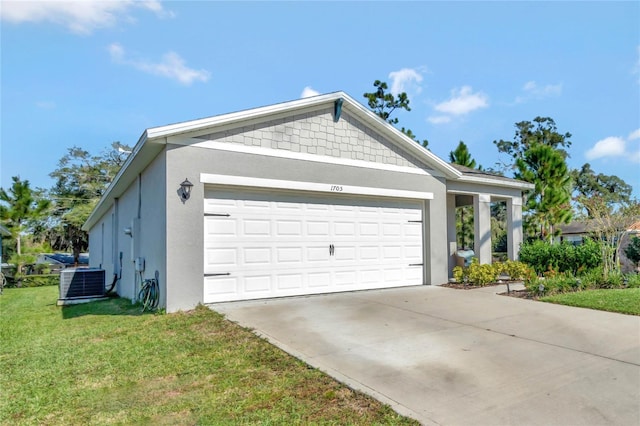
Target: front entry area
[{"x": 265, "y": 243}]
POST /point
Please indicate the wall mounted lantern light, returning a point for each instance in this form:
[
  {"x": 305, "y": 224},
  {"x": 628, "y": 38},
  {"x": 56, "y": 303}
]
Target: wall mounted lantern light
[{"x": 185, "y": 190}]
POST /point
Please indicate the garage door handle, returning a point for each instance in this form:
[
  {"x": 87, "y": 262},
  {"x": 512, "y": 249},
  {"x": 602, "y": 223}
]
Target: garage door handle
[
  {"x": 217, "y": 214},
  {"x": 332, "y": 249},
  {"x": 416, "y": 264},
  {"x": 217, "y": 275}
]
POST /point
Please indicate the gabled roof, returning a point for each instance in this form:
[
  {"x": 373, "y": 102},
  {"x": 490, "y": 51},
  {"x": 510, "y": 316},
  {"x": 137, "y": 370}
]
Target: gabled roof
[{"x": 154, "y": 139}]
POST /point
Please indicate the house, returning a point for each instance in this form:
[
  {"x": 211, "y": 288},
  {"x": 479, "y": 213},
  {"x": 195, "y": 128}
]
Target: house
[
  {"x": 59, "y": 261},
  {"x": 311, "y": 196}
]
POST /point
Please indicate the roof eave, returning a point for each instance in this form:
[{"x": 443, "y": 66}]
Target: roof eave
[{"x": 525, "y": 186}]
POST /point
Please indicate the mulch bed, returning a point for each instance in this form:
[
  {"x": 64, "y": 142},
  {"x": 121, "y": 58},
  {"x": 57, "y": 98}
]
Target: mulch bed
[{"x": 521, "y": 294}]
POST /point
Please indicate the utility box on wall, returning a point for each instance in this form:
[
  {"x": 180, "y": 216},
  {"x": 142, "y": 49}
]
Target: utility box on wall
[{"x": 81, "y": 283}]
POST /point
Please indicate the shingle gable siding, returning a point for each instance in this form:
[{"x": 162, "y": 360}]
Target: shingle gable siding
[{"x": 316, "y": 133}]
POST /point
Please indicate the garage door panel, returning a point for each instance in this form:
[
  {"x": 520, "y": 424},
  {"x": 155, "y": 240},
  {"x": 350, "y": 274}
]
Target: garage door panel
[
  {"x": 218, "y": 289},
  {"x": 257, "y": 284},
  {"x": 289, "y": 255},
  {"x": 288, "y": 227},
  {"x": 257, "y": 256},
  {"x": 345, "y": 253},
  {"x": 319, "y": 280},
  {"x": 257, "y": 227},
  {"x": 344, "y": 229},
  {"x": 218, "y": 226},
  {"x": 289, "y": 281},
  {"x": 346, "y": 278},
  {"x": 318, "y": 253},
  {"x": 320, "y": 228},
  {"x": 278, "y": 244}
]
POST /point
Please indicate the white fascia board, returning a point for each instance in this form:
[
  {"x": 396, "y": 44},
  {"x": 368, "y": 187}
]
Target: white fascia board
[
  {"x": 497, "y": 182},
  {"x": 227, "y": 180},
  {"x": 242, "y": 116}
]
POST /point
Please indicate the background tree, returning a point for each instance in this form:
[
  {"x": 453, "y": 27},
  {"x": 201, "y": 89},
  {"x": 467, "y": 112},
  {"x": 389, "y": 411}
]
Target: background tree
[
  {"x": 548, "y": 204},
  {"x": 610, "y": 189},
  {"x": 462, "y": 156},
  {"x": 542, "y": 131},
  {"x": 19, "y": 207},
  {"x": 384, "y": 103},
  {"x": 537, "y": 154},
  {"x": 80, "y": 181}
]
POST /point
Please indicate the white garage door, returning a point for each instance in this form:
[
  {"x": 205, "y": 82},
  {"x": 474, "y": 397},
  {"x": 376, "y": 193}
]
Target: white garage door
[{"x": 269, "y": 244}]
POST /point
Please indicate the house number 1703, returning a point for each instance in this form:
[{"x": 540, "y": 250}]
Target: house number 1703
[{"x": 336, "y": 188}]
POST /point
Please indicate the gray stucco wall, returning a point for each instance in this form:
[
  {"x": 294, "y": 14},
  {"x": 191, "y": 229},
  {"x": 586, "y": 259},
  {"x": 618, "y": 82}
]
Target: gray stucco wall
[
  {"x": 185, "y": 234},
  {"x": 146, "y": 200},
  {"x": 153, "y": 224}
]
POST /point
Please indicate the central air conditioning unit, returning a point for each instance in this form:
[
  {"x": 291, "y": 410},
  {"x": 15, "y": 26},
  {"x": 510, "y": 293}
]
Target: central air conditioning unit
[{"x": 81, "y": 283}]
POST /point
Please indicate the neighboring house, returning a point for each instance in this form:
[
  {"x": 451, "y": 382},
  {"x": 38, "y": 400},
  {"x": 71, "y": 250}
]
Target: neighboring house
[
  {"x": 60, "y": 261},
  {"x": 311, "y": 196},
  {"x": 577, "y": 231}
]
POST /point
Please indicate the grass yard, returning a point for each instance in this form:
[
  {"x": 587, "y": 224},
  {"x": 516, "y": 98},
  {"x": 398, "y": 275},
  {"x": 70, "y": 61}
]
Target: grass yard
[
  {"x": 105, "y": 363},
  {"x": 626, "y": 301}
]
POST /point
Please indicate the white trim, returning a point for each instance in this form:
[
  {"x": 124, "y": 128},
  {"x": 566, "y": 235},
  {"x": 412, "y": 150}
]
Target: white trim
[
  {"x": 280, "y": 153},
  {"x": 496, "y": 182},
  {"x": 336, "y": 188},
  {"x": 234, "y": 117}
]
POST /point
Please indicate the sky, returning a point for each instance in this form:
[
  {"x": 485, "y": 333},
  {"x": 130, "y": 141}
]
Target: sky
[{"x": 89, "y": 73}]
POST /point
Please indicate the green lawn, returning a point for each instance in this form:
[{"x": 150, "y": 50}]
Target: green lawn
[
  {"x": 105, "y": 363},
  {"x": 626, "y": 301}
]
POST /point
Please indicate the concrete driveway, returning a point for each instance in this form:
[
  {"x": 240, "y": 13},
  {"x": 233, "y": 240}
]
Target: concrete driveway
[{"x": 456, "y": 357}]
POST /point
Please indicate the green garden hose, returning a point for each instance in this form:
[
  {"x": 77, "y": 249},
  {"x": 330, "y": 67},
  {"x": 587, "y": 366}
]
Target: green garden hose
[{"x": 149, "y": 294}]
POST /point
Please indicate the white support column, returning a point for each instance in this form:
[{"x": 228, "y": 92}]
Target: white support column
[
  {"x": 514, "y": 227},
  {"x": 451, "y": 230},
  {"x": 482, "y": 227}
]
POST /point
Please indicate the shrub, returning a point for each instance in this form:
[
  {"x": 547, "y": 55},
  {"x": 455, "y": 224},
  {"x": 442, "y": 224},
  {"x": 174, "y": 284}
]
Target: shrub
[
  {"x": 565, "y": 257},
  {"x": 588, "y": 255},
  {"x": 458, "y": 274},
  {"x": 482, "y": 274},
  {"x": 633, "y": 280},
  {"x": 560, "y": 283},
  {"x": 35, "y": 280},
  {"x": 515, "y": 270}
]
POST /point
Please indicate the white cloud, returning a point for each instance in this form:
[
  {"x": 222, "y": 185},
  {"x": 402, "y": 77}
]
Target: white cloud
[
  {"x": 532, "y": 90},
  {"x": 308, "y": 92},
  {"x": 463, "y": 101},
  {"x": 405, "y": 80},
  {"x": 612, "y": 146},
  {"x": 634, "y": 135},
  {"x": 171, "y": 66},
  {"x": 439, "y": 119},
  {"x": 80, "y": 17}
]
